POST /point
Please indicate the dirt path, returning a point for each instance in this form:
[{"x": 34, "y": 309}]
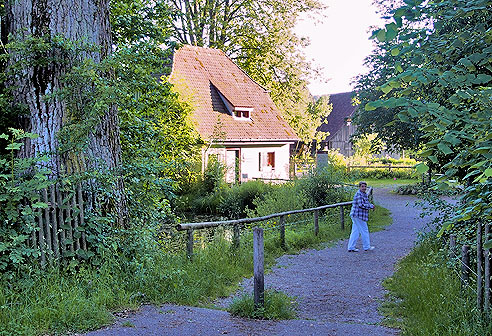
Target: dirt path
[{"x": 338, "y": 292}]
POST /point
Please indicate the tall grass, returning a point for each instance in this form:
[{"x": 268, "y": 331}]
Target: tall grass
[
  {"x": 426, "y": 297},
  {"x": 53, "y": 301}
]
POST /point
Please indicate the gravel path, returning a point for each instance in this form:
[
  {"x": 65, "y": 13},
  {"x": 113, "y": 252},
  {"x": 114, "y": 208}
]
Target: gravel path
[{"x": 338, "y": 292}]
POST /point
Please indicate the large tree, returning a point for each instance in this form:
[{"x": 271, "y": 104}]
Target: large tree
[{"x": 51, "y": 45}]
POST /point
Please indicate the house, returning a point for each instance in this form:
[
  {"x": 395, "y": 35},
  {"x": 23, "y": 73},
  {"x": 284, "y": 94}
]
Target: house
[
  {"x": 339, "y": 124},
  {"x": 234, "y": 115},
  {"x": 340, "y": 128}
]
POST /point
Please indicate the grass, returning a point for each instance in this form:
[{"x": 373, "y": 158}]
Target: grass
[
  {"x": 278, "y": 306},
  {"x": 56, "y": 302},
  {"x": 426, "y": 298}
]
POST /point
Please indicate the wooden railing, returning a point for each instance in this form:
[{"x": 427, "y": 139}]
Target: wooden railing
[{"x": 258, "y": 248}]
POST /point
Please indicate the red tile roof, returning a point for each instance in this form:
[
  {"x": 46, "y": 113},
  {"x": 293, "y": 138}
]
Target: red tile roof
[
  {"x": 205, "y": 72},
  {"x": 342, "y": 109}
]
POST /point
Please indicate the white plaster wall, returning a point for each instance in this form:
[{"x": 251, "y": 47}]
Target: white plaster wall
[{"x": 249, "y": 164}]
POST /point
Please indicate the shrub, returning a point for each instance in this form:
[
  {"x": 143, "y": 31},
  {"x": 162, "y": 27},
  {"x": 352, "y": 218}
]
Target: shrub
[
  {"x": 236, "y": 200},
  {"x": 323, "y": 186}
]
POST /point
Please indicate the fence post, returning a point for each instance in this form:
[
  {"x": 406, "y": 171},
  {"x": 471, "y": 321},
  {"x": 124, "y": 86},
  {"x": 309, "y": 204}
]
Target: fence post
[
  {"x": 189, "y": 244},
  {"x": 465, "y": 265},
  {"x": 487, "y": 295},
  {"x": 452, "y": 246},
  {"x": 342, "y": 218},
  {"x": 258, "y": 265},
  {"x": 479, "y": 267},
  {"x": 316, "y": 222},
  {"x": 236, "y": 236},
  {"x": 282, "y": 232}
]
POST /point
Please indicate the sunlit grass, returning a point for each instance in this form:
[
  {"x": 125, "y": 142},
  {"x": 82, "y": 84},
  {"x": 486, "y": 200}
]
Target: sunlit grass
[{"x": 426, "y": 298}]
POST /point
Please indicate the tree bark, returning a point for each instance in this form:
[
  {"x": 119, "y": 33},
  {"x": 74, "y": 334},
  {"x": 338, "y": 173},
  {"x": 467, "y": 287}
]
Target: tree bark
[{"x": 76, "y": 21}]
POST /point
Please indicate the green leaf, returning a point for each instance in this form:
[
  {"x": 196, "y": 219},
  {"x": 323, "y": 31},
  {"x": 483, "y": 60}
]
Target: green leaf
[
  {"x": 421, "y": 168},
  {"x": 487, "y": 244},
  {"x": 444, "y": 148},
  {"x": 14, "y": 146},
  {"x": 381, "y": 35},
  {"x": 4, "y": 136},
  {"x": 488, "y": 172},
  {"x": 40, "y": 205},
  {"x": 468, "y": 64},
  {"x": 395, "y": 51},
  {"x": 386, "y": 88},
  {"x": 370, "y": 106}
]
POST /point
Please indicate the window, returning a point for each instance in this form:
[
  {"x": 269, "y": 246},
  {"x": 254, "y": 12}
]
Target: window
[
  {"x": 242, "y": 113},
  {"x": 271, "y": 159}
]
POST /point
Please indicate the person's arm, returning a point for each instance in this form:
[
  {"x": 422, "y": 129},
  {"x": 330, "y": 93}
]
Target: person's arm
[{"x": 363, "y": 203}]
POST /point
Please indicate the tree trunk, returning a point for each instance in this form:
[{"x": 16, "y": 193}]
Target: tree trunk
[{"x": 76, "y": 21}]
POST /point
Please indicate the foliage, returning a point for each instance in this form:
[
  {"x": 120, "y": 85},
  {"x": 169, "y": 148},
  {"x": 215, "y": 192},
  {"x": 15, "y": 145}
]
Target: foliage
[
  {"x": 20, "y": 183},
  {"x": 238, "y": 199},
  {"x": 323, "y": 186},
  {"x": 278, "y": 306},
  {"x": 444, "y": 81},
  {"x": 426, "y": 297}
]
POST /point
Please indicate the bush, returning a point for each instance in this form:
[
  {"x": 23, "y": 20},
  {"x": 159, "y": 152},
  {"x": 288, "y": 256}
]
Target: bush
[
  {"x": 236, "y": 200},
  {"x": 323, "y": 186}
]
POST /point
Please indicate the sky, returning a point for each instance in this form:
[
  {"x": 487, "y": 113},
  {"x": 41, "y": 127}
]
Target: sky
[{"x": 339, "y": 43}]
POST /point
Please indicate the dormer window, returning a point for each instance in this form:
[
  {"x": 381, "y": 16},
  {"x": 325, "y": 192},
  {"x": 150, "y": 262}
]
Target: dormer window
[
  {"x": 242, "y": 113},
  {"x": 237, "y": 106}
]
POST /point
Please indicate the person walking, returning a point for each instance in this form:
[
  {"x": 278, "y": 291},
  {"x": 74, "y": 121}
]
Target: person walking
[{"x": 360, "y": 215}]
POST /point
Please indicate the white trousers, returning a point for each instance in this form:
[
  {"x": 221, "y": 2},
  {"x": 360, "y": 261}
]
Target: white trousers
[{"x": 359, "y": 227}]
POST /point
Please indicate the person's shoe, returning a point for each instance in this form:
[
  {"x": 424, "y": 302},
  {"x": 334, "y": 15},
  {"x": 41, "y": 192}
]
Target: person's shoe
[
  {"x": 354, "y": 250},
  {"x": 370, "y": 248}
]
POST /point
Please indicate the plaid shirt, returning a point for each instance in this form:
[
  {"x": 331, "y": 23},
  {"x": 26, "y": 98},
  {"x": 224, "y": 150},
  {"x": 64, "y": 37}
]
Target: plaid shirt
[{"x": 361, "y": 206}]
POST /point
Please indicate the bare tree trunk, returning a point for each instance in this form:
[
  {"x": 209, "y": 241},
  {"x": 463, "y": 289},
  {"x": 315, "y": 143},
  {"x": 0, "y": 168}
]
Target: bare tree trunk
[{"x": 76, "y": 21}]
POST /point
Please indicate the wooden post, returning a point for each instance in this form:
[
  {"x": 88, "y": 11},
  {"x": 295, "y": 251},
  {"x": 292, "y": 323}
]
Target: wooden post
[
  {"x": 316, "y": 222},
  {"x": 56, "y": 243},
  {"x": 487, "y": 293},
  {"x": 47, "y": 226},
  {"x": 282, "y": 232},
  {"x": 258, "y": 265},
  {"x": 61, "y": 220},
  {"x": 342, "y": 218},
  {"x": 42, "y": 245},
  {"x": 236, "y": 236},
  {"x": 80, "y": 201},
  {"x": 479, "y": 267},
  {"x": 452, "y": 246},
  {"x": 189, "y": 244},
  {"x": 75, "y": 213},
  {"x": 465, "y": 266}
]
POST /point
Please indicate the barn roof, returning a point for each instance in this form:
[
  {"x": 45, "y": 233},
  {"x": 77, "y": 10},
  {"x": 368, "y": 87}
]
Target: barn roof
[
  {"x": 215, "y": 85},
  {"x": 342, "y": 109}
]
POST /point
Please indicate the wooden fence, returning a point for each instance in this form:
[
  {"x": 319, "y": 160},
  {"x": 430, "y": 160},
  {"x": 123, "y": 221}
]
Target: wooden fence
[
  {"x": 60, "y": 226},
  {"x": 483, "y": 265},
  {"x": 258, "y": 248},
  {"x": 389, "y": 167}
]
